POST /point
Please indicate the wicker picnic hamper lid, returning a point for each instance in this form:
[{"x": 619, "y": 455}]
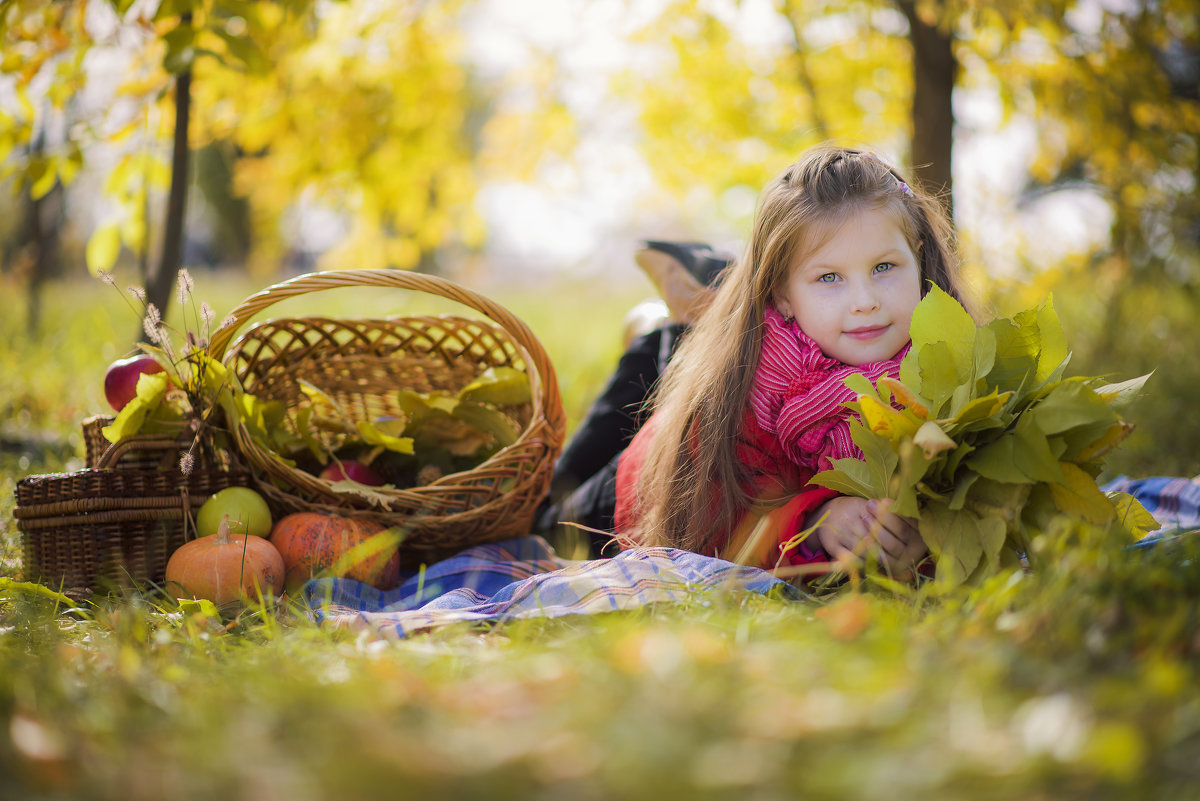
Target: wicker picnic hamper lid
[{"x": 364, "y": 364}]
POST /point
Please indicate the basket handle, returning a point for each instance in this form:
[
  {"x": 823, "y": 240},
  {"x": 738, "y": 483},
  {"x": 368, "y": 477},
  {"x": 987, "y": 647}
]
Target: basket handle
[
  {"x": 548, "y": 401},
  {"x": 114, "y": 452}
]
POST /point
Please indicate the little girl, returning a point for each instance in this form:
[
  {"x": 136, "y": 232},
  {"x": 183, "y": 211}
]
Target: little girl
[{"x": 752, "y": 404}]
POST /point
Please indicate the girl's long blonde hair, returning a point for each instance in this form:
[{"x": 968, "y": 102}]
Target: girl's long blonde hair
[{"x": 692, "y": 486}]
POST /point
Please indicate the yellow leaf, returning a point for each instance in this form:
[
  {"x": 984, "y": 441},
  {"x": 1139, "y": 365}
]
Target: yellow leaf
[
  {"x": 373, "y": 436},
  {"x": 1113, "y": 437},
  {"x": 885, "y": 420},
  {"x": 1080, "y": 497},
  {"x": 102, "y": 248},
  {"x": 45, "y": 182},
  {"x": 503, "y": 386}
]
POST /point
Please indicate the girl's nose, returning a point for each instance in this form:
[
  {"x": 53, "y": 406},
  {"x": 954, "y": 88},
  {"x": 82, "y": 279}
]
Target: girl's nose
[{"x": 866, "y": 298}]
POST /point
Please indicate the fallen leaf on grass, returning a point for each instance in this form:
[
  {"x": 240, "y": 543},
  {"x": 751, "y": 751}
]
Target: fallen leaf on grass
[{"x": 846, "y": 617}]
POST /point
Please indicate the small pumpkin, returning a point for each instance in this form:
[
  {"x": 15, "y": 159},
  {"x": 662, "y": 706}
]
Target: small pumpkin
[
  {"x": 312, "y": 543},
  {"x": 226, "y": 568}
]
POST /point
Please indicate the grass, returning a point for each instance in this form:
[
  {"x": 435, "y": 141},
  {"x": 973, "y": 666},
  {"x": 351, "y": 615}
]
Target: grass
[{"x": 1078, "y": 682}]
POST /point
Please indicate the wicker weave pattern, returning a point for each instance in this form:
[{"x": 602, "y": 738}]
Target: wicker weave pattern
[
  {"x": 113, "y": 525},
  {"x": 362, "y": 364}
]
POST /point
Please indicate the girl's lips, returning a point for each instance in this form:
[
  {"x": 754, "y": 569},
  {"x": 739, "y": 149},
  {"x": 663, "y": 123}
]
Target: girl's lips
[{"x": 870, "y": 332}]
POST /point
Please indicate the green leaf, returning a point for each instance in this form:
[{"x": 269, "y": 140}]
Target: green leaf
[
  {"x": 151, "y": 388},
  {"x": 1053, "y": 353},
  {"x": 418, "y": 405},
  {"x": 1032, "y": 452},
  {"x": 199, "y": 606},
  {"x": 490, "y": 421},
  {"x": 849, "y": 477},
  {"x": 1019, "y": 456},
  {"x": 1071, "y": 405},
  {"x": 11, "y": 589},
  {"x": 940, "y": 375},
  {"x": 975, "y": 411},
  {"x": 964, "y": 485},
  {"x": 502, "y": 386},
  {"x": 1040, "y": 508},
  {"x": 997, "y": 461},
  {"x": 954, "y": 539},
  {"x": 861, "y": 385},
  {"x": 987, "y": 498},
  {"x": 985, "y": 352},
  {"x": 1016, "y": 355},
  {"x": 304, "y": 428},
  {"x": 213, "y": 376},
  {"x": 878, "y": 455},
  {"x": 941, "y": 318}
]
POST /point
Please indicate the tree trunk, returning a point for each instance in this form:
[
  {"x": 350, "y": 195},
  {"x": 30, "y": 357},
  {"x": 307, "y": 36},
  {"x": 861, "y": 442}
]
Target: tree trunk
[
  {"x": 158, "y": 290},
  {"x": 935, "y": 72},
  {"x": 41, "y": 267}
]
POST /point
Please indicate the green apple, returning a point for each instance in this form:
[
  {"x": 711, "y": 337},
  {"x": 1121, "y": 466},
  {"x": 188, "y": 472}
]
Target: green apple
[{"x": 248, "y": 513}]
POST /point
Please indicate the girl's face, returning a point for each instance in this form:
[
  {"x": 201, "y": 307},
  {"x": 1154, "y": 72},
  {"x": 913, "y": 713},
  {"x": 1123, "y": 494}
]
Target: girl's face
[{"x": 855, "y": 294}]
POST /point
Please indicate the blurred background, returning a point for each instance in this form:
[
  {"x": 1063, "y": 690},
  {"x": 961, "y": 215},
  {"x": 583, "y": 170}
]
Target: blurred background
[{"x": 523, "y": 147}]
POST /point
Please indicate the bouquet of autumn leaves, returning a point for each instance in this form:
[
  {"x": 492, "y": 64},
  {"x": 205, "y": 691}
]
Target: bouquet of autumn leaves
[{"x": 983, "y": 440}]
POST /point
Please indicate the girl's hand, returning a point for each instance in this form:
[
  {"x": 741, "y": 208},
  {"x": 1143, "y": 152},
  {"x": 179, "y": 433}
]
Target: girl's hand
[{"x": 857, "y": 526}]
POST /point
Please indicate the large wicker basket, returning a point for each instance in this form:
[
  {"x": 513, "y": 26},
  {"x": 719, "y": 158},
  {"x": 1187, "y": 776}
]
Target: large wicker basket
[
  {"x": 115, "y": 523},
  {"x": 362, "y": 364}
]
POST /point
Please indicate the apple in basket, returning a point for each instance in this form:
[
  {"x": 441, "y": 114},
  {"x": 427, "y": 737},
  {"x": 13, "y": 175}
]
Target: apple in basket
[
  {"x": 354, "y": 471},
  {"x": 121, "y": 378}
]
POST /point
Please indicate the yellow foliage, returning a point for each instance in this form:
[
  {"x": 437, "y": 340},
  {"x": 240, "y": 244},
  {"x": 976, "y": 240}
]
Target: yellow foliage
[{"x": 885, "y": 420}]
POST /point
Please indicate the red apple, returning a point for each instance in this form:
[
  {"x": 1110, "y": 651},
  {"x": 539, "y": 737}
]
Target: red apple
[
  {"x": 120, "y": 381},
  {"x": 354, "y": 471}
]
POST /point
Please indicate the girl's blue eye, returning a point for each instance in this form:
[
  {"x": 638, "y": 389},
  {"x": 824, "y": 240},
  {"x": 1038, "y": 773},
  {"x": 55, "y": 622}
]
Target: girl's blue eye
[
  {"x": 883, "y": 266},
  {"x": 827, "y": 278}
]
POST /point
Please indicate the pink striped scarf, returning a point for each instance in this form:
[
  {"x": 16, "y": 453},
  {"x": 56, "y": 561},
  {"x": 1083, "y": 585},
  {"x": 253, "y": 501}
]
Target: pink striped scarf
[{"x": 798, "y": 394}]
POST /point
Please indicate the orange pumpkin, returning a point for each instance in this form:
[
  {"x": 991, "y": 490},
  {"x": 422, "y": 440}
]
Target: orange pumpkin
[
  {"x": 312, "y": 543},
  {"x": 226, "y": 569}
]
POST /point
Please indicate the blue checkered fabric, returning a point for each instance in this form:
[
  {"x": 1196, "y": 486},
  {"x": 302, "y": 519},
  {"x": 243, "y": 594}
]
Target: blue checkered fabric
[{"x": 523, "y": 578}]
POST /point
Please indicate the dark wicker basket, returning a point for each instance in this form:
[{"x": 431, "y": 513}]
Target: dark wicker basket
[
  {"x": 362, "y": 364},
  {"x": 114, "y": 524}
]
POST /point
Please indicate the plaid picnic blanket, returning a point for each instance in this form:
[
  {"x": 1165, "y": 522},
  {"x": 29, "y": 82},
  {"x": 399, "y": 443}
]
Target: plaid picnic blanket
[{"x": 524, "y": 577}]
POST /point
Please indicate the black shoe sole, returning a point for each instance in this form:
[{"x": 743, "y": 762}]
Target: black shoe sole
[{"x": 700, "y": 260}]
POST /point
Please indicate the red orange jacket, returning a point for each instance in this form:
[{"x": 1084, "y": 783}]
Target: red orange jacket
[{"x": 770, "y": 475}]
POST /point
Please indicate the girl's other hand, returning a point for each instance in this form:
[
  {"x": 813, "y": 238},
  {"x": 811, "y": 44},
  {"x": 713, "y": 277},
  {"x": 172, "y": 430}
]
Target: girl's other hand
[{"x": 856, "y": 526}]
